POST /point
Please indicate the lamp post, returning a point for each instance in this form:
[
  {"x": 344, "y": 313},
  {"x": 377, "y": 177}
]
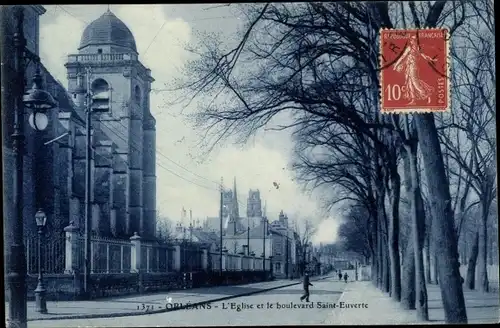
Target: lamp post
[
  {"x": 40, "y": 301},
  {"x": 40, "y": 101}
]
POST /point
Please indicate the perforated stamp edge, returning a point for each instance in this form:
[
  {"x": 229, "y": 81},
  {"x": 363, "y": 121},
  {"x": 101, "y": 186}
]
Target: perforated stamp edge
[{"x": 448, "y": 74}]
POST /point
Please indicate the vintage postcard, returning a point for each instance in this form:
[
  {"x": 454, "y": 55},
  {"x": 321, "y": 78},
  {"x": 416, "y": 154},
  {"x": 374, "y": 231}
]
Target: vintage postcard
[{"x": 249, "y": 164}]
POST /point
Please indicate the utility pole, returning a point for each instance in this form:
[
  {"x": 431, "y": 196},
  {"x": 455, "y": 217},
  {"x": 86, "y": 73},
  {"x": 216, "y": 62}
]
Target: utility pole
[
  {"x": 221, "y": 207},
  {"x": 248, "y": 240},
  {"x": 88, "y": 185},
  {"x": 287, "y": 267},
  {"x": 264, "y": 248}
]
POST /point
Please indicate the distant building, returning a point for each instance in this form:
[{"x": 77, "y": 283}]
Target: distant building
[
  {"x": 232, "y": 222},
  {"x": 249, "y": 241},
  {"x": 254, "y": 205},
  {"x": 285, "y": 245}
]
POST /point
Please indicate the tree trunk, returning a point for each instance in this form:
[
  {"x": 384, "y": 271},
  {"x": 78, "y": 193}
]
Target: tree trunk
[
  {"x": 408, "y": 277},
  {"x": 482, "y": 271},
  {"x": 386, "y": 271},
  {"x": 375, "y": 258},
  {"x": 408, "y": 272},
  {"x": 470, "y": 280},
  {"x": 444, "y": 230},
  {"x": 384, "y": 250},
  {"x": 380, "y": 254},
  {"x": 435, "y": 269},
  {"x": 432, "y": 237},
  {"x": 394, "y": 238},
  {"x": 373, "y": 272},
  {"x": 490, "y": 253},
  {"x": 418, "y": 226},
  {"x": 428, "y": 259}
]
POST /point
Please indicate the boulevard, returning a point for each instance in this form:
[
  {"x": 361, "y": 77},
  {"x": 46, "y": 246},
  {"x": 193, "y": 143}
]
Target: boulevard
[{"x": 268, "y": 308}]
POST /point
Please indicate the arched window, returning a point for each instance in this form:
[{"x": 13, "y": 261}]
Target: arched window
[
  {"x": 137, "y": 95},
  {"x": 100, "y": 95},
  {"x": 100, "y": 87}
]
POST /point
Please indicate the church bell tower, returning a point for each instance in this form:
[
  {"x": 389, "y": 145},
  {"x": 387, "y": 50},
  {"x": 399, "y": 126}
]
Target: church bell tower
[{"x": 124, "y": 130}]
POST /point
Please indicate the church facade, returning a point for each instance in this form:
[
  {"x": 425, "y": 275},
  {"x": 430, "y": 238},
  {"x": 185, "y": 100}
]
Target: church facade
[{"x": 124, "y": 132}]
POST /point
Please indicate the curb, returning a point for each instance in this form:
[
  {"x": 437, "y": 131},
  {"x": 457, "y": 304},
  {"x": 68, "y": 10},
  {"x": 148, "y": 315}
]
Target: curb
[{"x": 130, "y": 314}]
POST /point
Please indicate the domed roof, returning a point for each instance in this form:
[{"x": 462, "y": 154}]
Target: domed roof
[{"x": 108, "y": 29}]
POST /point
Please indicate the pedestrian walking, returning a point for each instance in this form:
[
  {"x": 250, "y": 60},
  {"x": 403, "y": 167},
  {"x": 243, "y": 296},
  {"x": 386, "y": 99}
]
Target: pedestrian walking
[
  {"x": 306, "y": 288},
  {"x": 340, "y": 275},
  {"x": 345, "y": 277}
]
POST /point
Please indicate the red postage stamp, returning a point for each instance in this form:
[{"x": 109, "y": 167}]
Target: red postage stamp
[{"x": 414, "y": 71}]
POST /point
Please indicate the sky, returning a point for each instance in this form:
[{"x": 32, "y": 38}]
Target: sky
[{"x": 184, "y": 177}]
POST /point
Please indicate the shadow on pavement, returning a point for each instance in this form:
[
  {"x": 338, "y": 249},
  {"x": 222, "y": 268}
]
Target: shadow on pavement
[
  {"x": 312, "y": 291},
  {"x": 227, "y": 290}
]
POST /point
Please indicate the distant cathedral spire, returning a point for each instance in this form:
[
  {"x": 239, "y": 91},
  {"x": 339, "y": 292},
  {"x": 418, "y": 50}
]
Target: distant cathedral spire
[{"x": 236, "y": 210}]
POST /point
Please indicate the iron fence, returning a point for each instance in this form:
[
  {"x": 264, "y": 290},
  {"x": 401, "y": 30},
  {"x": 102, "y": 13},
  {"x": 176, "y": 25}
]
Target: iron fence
[
  {"x": 157, "y": 258},
  {"x": 53, "y": 248},
  {"x": 191, "y": 257}
]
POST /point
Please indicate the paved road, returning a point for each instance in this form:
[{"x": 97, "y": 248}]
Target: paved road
[{"x": 253, "y": 310}]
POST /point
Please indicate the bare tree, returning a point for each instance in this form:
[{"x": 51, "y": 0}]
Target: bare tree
[
  {"x": 474, "y": 148},
  {"x": 305, "y": 230},
  {"x": 354, "y": 232},
  {"x": 164, "y": 229}
]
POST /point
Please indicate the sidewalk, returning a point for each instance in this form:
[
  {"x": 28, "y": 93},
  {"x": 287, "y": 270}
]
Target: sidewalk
[
  {"x": 381, "y": 309},
  {"x": 147, "y": 304}
]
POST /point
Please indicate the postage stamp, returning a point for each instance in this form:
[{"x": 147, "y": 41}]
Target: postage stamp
[{"x": 414, "y": 71}]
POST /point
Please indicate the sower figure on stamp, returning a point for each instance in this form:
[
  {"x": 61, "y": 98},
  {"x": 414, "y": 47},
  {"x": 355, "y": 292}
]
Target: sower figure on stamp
[{"x": 306, "y": 288}]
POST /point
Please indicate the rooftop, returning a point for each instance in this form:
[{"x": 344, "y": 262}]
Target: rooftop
[{"x": 108, "y": 30}]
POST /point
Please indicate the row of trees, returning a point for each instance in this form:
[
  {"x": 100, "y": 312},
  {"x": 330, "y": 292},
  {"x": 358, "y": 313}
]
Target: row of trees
[{"x": 413, "y": 180}]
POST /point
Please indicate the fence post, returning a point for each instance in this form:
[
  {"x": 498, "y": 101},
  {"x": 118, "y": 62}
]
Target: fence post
[
  {"x": 204, "y": 260},
  {"x": 177, "y": 258},
  {"x": 71, "y": 254},
  {"x": 135, "y": 253},
  {"x": 240, "y": 263},
  {"x": 108, "y": 258},
  {"x": 122, "y": 259},
  {"x": 224, "y": 259}
]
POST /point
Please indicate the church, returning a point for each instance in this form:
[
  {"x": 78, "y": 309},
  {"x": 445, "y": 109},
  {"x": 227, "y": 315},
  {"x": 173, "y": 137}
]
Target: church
[
  {"x": 105, "y": 65},
  {"x": 232, "y": 221},
  {"x": 124, "y": 136}
]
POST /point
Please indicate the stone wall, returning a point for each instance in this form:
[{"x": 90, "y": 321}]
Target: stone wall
[{"x": 66, "y": 287}]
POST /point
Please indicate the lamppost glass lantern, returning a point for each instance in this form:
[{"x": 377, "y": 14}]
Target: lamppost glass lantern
[
  {"x": 40, "y": 218},
  {"x": 39, "y": 101},
  {"x": 40, "y": 300}
]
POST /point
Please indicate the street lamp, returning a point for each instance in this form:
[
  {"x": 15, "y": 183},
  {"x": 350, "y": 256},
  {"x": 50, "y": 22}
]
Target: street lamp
[
  {"x": 41, "y": 302},
  {"x": 39, "y": 101}
]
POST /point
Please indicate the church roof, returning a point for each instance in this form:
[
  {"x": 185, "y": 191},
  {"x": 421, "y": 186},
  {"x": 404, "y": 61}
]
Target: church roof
[{"x": 108, "y": 30}]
